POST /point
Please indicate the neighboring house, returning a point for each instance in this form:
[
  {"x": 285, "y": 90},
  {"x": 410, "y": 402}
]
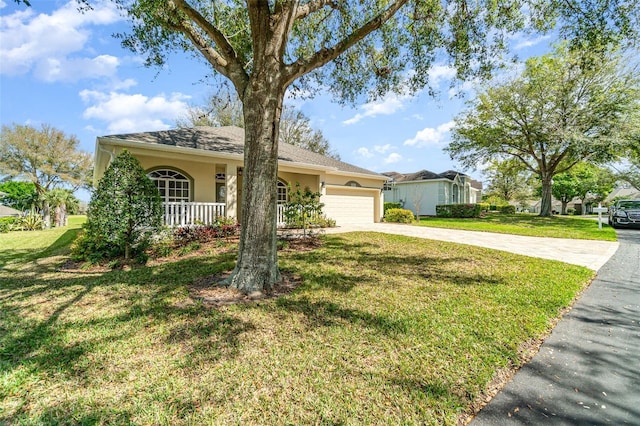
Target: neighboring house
[
  {"x": 625, "y": 190},
  {"x": 9, "y": 211},
  {"x": 198, "y": 172},
  {"x": 422, "y": 191}
]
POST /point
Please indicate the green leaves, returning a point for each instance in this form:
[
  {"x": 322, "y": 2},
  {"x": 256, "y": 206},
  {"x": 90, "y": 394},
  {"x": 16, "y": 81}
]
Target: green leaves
[
  {"x": 565, "y": 108},
  {"x": 124, "y": 210}
]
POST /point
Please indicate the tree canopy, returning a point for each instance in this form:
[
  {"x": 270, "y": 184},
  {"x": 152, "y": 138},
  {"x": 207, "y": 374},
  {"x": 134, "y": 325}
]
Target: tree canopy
[
  {"x": 565, "y": 108},
  {"x": 46, "y": 157},
  {"x": 19, "y": 195},
  {"x": 508, "y": 180}
]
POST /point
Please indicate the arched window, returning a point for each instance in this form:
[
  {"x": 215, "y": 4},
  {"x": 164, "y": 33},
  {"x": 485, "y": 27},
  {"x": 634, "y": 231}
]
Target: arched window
[
  {"x": 172, "y": 185},
  {"x": 283, "y": 192},
  {"x": 353, "y": 183}
]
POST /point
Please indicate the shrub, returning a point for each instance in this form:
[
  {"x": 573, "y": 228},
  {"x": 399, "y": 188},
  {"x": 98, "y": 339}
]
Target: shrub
[
  {"x": 32, "y": 221},
  {"x": 508, "y": 209},
  {"x": 124, "y": 211},
  {"x": 390, "y": 205},
  {"x": 458, "y": 210},
  {"x": 571, "y": 211},
  {"x": 304, "y": 210},
  {"x": 7, "y": 223},
  {"x": 399, "y": 216},
  {"x": 484, "y": 207}
]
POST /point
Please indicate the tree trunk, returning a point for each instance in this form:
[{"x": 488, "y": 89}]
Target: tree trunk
[
  {"x": 564, "y": 207},
  {"x": 46, "y": 214},
  {"x": 545, "y": 205},
  {"x": 257, "y": 267}
]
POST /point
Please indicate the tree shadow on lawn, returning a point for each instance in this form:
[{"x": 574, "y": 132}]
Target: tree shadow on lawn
[
  {"x": 342, "y": 264},
  {"x": 146, "y": 298},
  {"x": 61, "y": 244}
]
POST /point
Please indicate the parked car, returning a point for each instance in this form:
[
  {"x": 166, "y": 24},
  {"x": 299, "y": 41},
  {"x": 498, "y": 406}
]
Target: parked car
[{"x": 625, "y": 213}]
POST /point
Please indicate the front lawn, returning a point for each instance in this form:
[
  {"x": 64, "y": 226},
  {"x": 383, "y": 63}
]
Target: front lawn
[
  {"x": 383, "y": 330},
  {"x": 25, "y": 246},
  {"x": 573, "y": 227}
]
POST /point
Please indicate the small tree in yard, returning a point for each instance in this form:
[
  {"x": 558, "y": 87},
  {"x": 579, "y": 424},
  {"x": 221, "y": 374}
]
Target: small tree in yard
[
  {"x": 123, "y": 212},
  {"x": 303, "y": 208}
]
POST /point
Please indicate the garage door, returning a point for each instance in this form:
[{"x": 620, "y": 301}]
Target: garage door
[{"x": 349, "y": 206}]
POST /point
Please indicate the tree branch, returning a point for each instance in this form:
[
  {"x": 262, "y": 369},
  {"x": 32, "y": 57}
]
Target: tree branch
[
  {"x": 226, "y": 61},
  {"x": 314, "y": 6},
  {"x": 326, "y": 55}
]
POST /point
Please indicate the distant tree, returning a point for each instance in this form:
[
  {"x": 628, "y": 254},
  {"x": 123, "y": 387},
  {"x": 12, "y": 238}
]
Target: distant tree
[
  {"x": 124, "y": 211},
  {"x": 46, "y": 157},
  {"x": 630, "y": 172},
  {"x": 566, "y": 107},
  {"x": 225, "y": 109},
  {"x": 19, "y": 195},
  {"x": 507, "y": 179},
  {"x": 565, "y": 188},
  {"x": 416, "y": 198},
  {"x": 63, "y": 203},
  {"x": 594, "y": 183},
  {"x": 295, "y": 129}
]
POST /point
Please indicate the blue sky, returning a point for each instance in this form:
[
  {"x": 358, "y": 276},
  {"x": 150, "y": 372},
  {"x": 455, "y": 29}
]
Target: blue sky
[{"x": 64, "y": 68}]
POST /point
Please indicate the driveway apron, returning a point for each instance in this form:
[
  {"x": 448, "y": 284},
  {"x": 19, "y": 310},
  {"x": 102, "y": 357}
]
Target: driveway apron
[{"x": 587, "y": 372}]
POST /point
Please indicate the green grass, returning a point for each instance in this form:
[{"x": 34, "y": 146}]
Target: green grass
[
  {"x": 573, "y": 227},
  {"x": 27, "y": 246},
  {"x": 384, "y": 330}
]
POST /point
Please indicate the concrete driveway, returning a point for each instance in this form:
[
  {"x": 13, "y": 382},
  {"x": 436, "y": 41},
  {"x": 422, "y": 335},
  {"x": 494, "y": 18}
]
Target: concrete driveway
[{"x": 592, "y": 254}]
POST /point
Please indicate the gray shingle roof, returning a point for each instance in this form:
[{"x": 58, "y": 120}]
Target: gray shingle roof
[
  {"x": 230, "y": 140},
  {"x": 422, "y": 175}
]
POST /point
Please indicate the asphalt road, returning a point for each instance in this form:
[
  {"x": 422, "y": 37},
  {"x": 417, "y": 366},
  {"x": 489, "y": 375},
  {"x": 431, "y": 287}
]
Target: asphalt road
[{"x": 587, "y": 372}]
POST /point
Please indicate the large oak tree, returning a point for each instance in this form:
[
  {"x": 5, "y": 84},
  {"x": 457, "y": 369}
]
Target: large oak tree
[
  {"x": 348, "y": 48},
  {"x": 46, "y": 157},
  {"x": 566, "y": 108}
]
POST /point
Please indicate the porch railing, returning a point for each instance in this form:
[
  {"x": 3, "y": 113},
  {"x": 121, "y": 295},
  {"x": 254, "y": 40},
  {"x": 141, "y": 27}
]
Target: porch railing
[
  {"x": 183, "y": 213},
  {"x": 192, "y": 213}
]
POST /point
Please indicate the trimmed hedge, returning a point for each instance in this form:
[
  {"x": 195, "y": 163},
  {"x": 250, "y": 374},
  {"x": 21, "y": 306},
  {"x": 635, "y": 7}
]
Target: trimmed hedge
[
  {"x": 399, "y": 216},
  {"x": 458, "y": 210},
  {"x": 508, "y": 209},
  {"x": 390, "y": 205}
]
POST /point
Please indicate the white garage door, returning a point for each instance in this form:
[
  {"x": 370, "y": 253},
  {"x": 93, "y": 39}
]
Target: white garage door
[{"x": 349, "y": 206}]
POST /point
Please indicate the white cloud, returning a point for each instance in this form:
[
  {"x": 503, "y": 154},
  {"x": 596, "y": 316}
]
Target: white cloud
[
  {"x": 390, "y": 104},
  {"x": 382, "y": 148},
  {"x": 126, "y": 113},
  {"x": 430, "y": 135},
  {"x": 392, "y": 158},
  {"x": 53, "y": 69},
  {"x": 522, "y": 42},
  {"x": 438, "y": 73},
  {"x": 47, "y": 42},
  {"x": 364, "y": 152}
]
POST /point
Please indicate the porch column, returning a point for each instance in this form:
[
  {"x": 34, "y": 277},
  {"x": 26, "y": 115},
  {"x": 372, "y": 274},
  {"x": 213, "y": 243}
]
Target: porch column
[{"x": 231, "y": 182}]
